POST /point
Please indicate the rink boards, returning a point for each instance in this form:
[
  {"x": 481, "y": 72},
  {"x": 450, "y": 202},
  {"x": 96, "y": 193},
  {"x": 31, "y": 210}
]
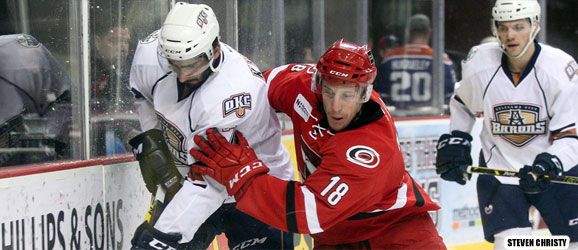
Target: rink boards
[{"x": 98, "y": 203}]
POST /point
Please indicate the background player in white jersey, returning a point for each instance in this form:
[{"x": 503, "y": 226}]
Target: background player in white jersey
[
  {"x": 526, "y": 93},
  {"x": 186, "y": 81}
]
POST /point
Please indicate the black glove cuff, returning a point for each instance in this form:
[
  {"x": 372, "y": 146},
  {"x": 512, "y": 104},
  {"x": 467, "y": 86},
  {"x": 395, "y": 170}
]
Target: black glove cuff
[
  {"x": 546, "y": 163},
  {"x": 461, "y": 134},
  {"x": 146, "y": 234}
]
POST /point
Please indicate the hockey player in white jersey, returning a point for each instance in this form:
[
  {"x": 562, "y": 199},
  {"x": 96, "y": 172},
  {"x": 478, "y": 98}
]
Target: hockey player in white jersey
[
  {"x": 526, "y": 92},
  {"x": 186, "y": 81}
]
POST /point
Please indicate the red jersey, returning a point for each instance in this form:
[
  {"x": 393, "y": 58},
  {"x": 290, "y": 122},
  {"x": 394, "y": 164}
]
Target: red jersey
[{"x": 354, "y": 181}]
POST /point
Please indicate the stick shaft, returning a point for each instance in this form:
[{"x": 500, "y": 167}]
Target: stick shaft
[{"x": 564, "y": 179}]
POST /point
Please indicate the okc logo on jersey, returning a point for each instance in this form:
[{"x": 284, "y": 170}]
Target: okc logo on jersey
[
  {"x": 517, "y": 123},
  {"x": 174, "y": 138},
  {"x": 572, "y": 69},
  {"x": 238, "y": 104}
]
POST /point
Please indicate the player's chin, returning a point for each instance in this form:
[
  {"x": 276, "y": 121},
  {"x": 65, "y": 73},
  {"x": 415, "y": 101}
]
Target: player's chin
[
  {"x": 337, "y": 124},
  {"x": 193, "y": 83},
  {"x": 513, "y": 50}
]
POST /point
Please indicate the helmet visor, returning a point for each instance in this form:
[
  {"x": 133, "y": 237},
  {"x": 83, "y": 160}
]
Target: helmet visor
[
  {"x": 342, "y": 90},
  {"x": 190, "y": 67},
  {"x": 193, "y": 66}
]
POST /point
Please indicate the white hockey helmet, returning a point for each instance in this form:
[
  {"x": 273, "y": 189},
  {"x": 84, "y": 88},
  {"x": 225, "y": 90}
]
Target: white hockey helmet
[
  {"x": 511, "y": 10},
  {"x": 188, "y": 32}
]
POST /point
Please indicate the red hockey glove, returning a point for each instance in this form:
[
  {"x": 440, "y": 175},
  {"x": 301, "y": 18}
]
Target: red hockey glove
[{"x": 229, "y": 164}]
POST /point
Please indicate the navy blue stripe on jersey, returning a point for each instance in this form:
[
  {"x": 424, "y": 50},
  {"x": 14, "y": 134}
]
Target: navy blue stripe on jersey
[
  {"x": 190, "y": 113},
  {"x": 157, "y": 82},
  {"x": 419, "y": 201},
  {"x": 491, "y": 154},
  {"x": 290, "y": 214},
  {"x": 543, "y": 95},
  {"x": 528, "y": 68},
  {"x": 136, "y": 93},
  {"x": 491, "y": 80},
  {"x": 531, "y": 64},
  {"x": 459, "y": 100},
  {"x": 563, "y": 128},
  {"x": 566, "y": 136}
]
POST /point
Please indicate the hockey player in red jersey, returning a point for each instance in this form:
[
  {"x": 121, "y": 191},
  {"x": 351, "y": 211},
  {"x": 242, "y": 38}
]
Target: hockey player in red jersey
[{"x": 355, "y": 191}]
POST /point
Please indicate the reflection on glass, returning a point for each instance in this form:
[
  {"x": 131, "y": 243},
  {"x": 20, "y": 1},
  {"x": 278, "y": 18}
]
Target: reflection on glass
[
  {"x": 112, "y": 118},
  {"x": 35, "y": 109},
  {"x": 405, "y": 78}
]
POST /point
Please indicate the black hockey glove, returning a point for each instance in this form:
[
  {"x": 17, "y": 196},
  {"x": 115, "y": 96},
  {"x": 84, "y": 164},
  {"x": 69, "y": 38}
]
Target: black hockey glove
[
  {"x": 156, "y": 162},
  {"x": 453, "y": 156},
  {"x": 147, "y": 237},
  {"x": 532, "y": 179}
]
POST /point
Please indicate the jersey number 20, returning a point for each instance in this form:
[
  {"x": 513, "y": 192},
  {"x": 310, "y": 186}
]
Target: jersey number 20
[{"x": 408, "y": 86}]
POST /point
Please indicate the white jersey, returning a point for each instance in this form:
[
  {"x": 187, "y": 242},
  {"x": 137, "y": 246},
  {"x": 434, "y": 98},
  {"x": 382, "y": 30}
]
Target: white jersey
[
  {"x": 234, "y": 98},
  {"x": 520, "y": 121}
]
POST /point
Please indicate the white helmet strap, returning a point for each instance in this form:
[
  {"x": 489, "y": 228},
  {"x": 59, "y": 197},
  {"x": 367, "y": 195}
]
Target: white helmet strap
[
  {"x": 533, "y": 32},
  {"x": 211, "y": 62}
]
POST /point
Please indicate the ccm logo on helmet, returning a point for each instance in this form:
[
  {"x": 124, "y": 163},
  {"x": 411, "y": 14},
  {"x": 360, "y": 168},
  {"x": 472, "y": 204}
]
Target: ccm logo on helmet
[
  {"x": 363, "y": 156},
  {"x": 170, "y": 51},
  {"x": 337, "y": 73}
]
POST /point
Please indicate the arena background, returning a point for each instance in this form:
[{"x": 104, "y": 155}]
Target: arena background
[{"x": 93, "y": 196}]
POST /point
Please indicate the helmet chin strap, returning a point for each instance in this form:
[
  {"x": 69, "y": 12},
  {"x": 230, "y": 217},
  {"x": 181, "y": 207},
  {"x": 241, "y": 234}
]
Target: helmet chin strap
[
  {"x": 220, "y": 62},
  {"x": 533, "y": 33}
]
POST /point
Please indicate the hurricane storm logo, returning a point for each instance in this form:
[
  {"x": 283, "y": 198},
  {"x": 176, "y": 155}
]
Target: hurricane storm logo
[
  {"x": 363, "y": 156},
  {"x": 518, "y": 123}
]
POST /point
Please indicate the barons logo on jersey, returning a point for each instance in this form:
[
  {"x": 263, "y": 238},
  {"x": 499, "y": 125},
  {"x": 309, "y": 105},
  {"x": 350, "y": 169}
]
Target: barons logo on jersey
[
  {"x": 175, "y": 138},
  {"x": 238, "y": 104},
  {"x": 517, "y": 123}
]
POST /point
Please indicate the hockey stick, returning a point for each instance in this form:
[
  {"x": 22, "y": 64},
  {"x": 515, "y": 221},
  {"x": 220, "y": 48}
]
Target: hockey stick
[
  {"x": 563, "y": 179},
  {"x": 157, "y": 205}
]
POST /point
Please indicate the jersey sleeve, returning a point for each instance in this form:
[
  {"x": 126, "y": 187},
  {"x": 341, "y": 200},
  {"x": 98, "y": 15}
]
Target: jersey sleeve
[
  {"x": 462, "y": 118},
  {"x": 467, "y": 100},
  {"x": 144, "y": 73},
  {"x": 564, "y": 87},
  {"x": 281, "y": 82},
  {"x": 340, "y": 188}
]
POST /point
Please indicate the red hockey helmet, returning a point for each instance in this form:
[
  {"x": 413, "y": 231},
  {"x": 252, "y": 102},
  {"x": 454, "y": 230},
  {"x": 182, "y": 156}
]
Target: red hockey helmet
[{"x": 346, "y": 64}]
